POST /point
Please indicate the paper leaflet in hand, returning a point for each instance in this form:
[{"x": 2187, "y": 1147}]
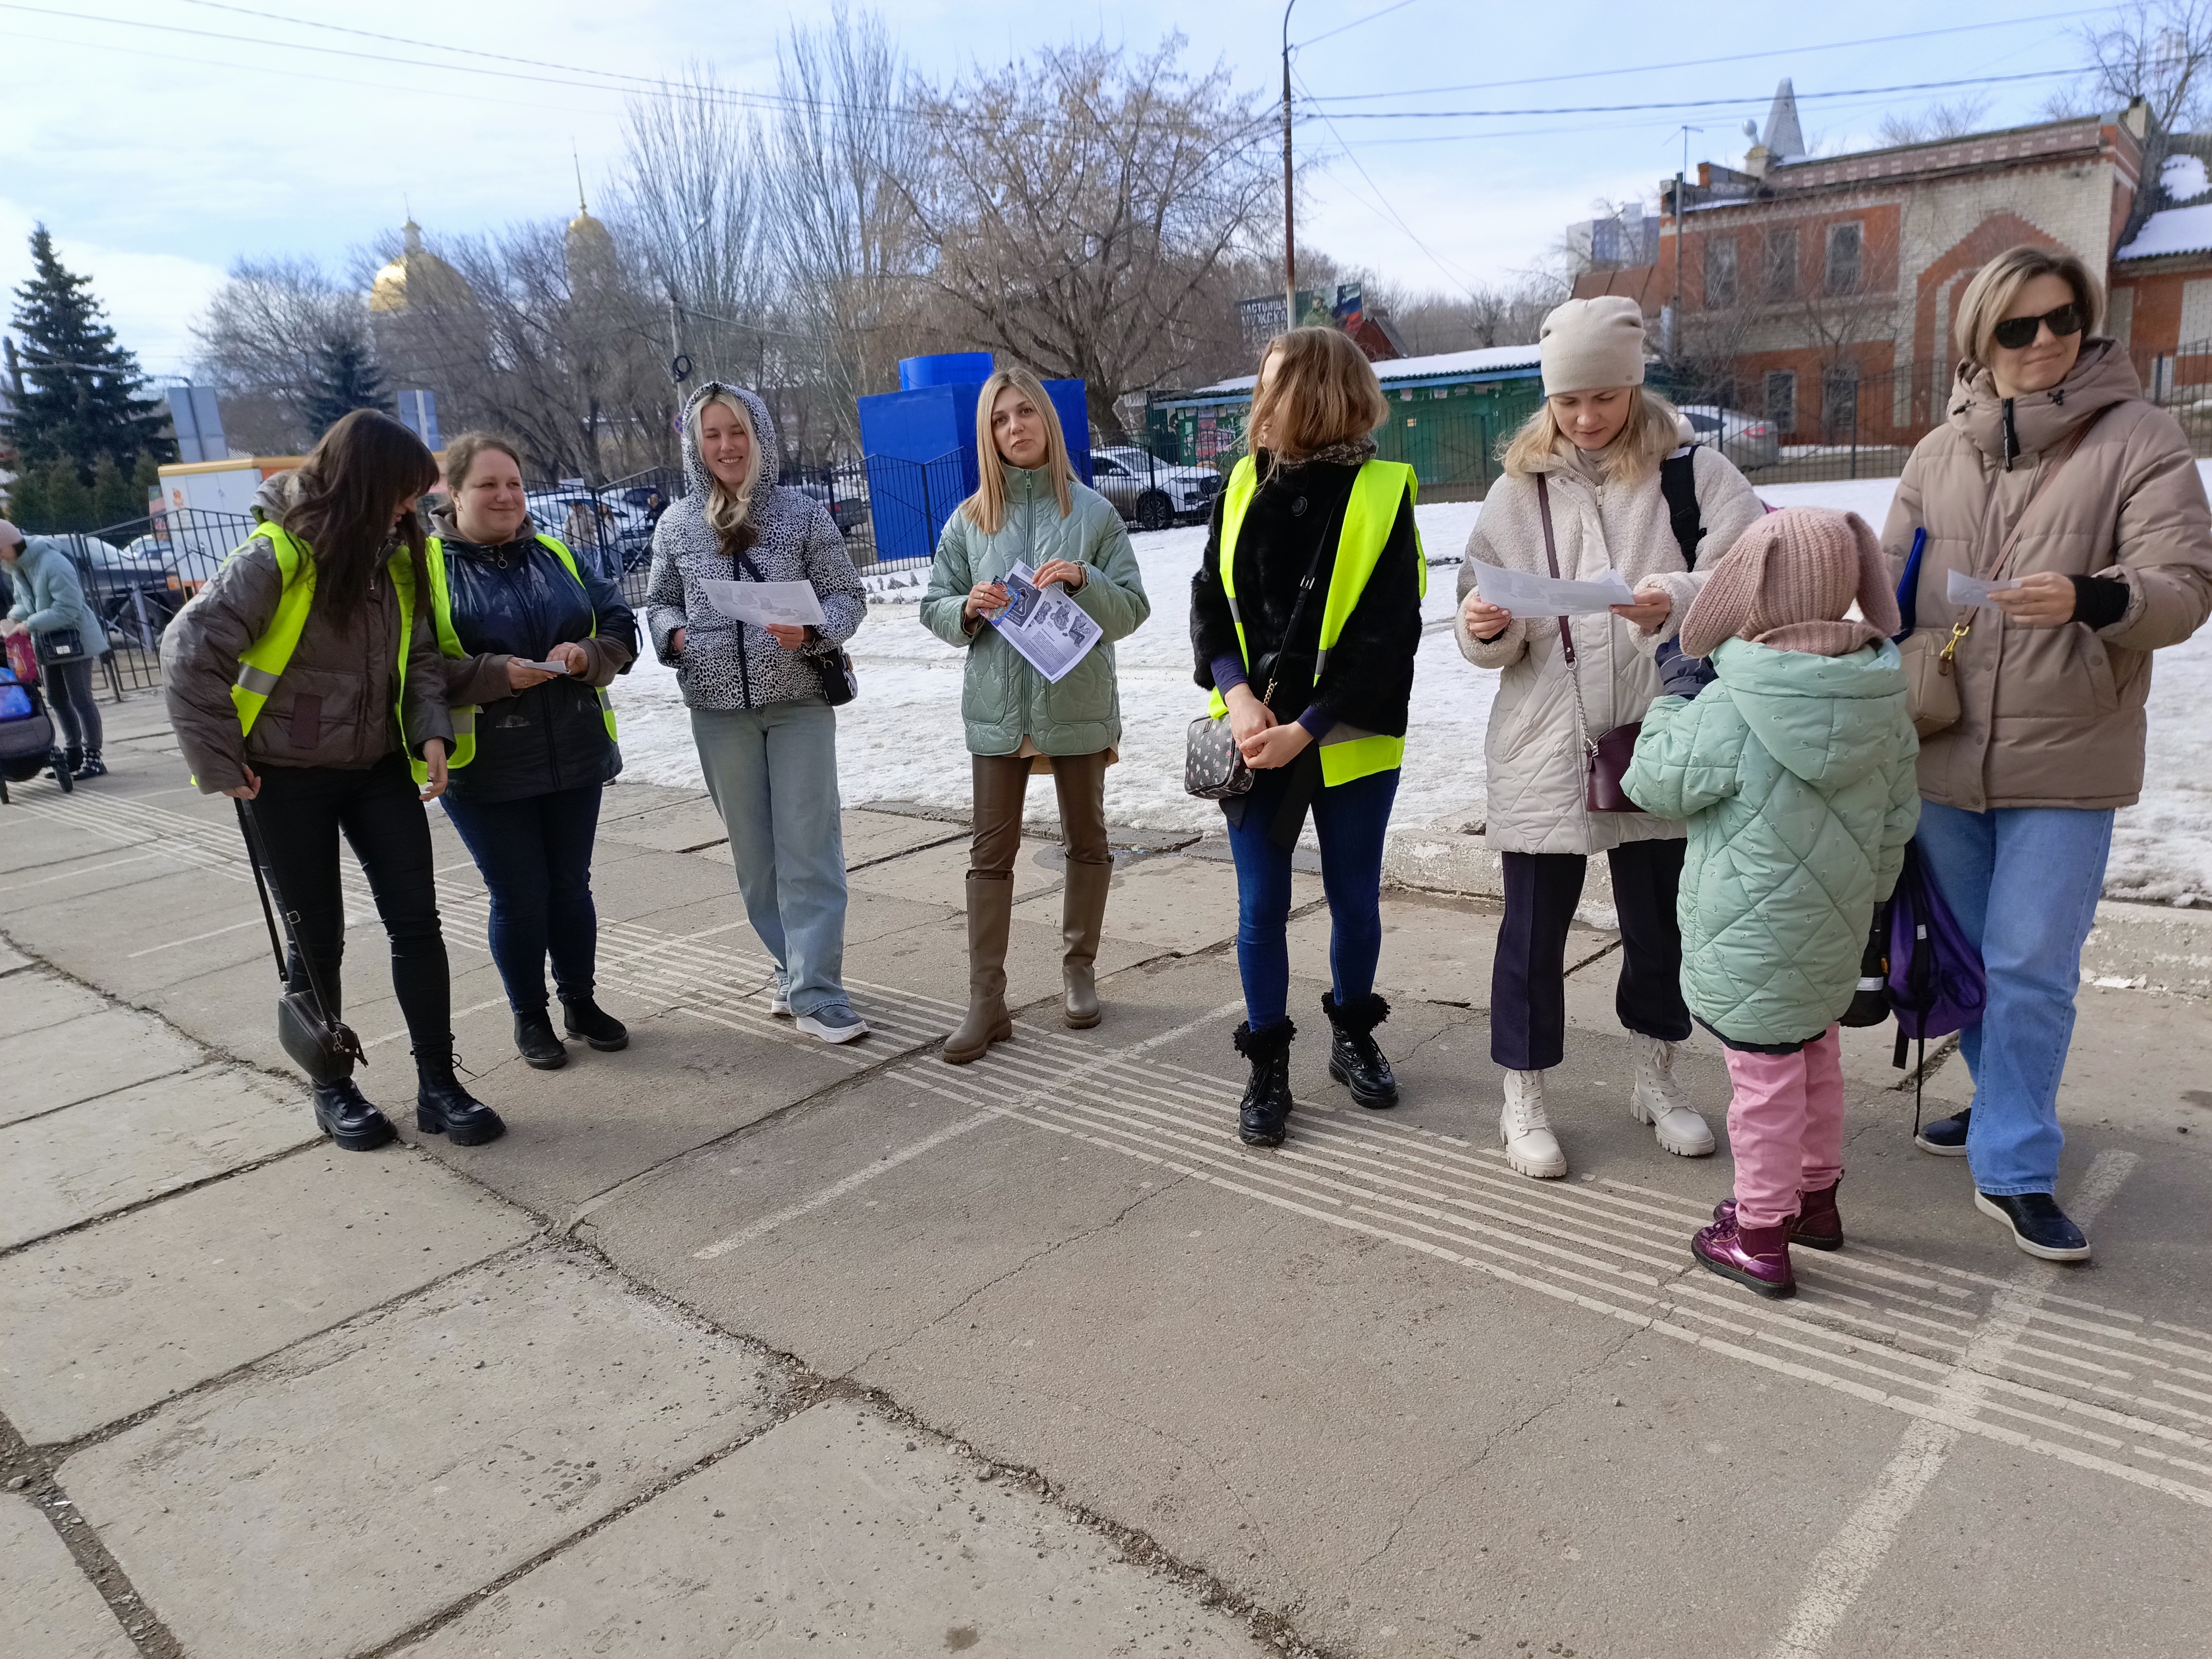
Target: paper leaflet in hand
[
  {"x": 1972, "y": 590},
  {"x": 1052, "y": 632},
  {"x": 1527, "y": 594},
  {"x": 560, "y": 668},
  {"x": 784, "y": 604}
]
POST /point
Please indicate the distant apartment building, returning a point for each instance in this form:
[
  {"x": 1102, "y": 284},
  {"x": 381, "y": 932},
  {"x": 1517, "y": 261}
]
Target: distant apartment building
[{"x": 1821, "y": 292}]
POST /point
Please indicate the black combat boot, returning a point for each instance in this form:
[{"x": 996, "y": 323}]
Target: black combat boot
[
  {"x": 1265, "y": 1112},
  {"x": 443, "y": 1107},
  {"x": 1353, "y": 1059},
  {"x": 352, "y": 1124}
]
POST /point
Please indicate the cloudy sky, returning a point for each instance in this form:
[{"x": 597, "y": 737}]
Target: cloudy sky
[{"x": 159, "y": 140}]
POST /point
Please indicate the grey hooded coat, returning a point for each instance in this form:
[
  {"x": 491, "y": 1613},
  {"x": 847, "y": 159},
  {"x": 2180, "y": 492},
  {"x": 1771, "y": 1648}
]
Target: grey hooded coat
[{"x": 725, "y": 662}]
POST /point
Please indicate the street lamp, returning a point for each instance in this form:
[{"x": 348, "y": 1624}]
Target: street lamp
[{"x": 1290, "y": 245}]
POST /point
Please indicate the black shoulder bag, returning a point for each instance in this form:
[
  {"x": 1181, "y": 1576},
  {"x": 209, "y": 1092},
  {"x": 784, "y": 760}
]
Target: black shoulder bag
[
  {"x": 840, "y": 684},
  {"x": 324, "y": 1048}
]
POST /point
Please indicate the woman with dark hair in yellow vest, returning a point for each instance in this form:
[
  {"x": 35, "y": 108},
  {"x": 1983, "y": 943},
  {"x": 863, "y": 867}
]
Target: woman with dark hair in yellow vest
[
  {"x": 302, "y": 678},
  {"x": 1304, "y": 617},
  {"x": 533, "y": 748}
]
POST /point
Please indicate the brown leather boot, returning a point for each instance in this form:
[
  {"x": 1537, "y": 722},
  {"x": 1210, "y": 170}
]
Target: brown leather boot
[
  {"x": 990, "y": 913},
  {"x": 1082, "y": 915}
]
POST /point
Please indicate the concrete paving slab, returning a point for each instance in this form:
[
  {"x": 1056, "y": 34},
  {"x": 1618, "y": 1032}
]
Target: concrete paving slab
[
  {"x": 11, "y": 959},
  {"x": 1439, "y": 948},
  {"x": 837, "y": 1531},
  {"x": 87, "y": 1160},
  {"x": 38, "y": 841},
  {"x": 90, "y": 1055},
  {"x": 39, "y": 999},
  {"x": 98, "y": 1324},
  {"x": 669, "y": 908},
  {"x": 679, "y": 827},
  {"x": 929, "y": 965},
  {"x": 871, "y": 837},
  {"x": 627, "y": 798},
  {"x": 938, "y": 875},
  {"x": 177, "y": 921},
  {"x": 54, "y": 1611},
  {"x": 1170, "y": 903},
  {"x": 2168, "y": 949},
  {"x": 430, "y": 1446},
  {"x": 2140, "y": 1062}
]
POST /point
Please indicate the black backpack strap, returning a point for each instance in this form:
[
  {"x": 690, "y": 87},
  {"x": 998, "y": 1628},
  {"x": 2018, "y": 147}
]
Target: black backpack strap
[{"x": 1678, "y": 482}]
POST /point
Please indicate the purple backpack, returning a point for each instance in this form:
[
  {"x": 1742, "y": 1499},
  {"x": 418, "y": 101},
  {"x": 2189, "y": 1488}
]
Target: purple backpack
[{"x": 1936, "y": 983}]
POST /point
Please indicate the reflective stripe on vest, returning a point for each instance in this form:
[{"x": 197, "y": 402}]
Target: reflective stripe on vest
[
  {"x": 262, "y": 663},
  {"x": 449, "y": 642},
  {"x": 1369, "y": 513}
]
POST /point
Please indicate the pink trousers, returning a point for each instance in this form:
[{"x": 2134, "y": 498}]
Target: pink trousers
[{"x": 1785, "y": 1128}]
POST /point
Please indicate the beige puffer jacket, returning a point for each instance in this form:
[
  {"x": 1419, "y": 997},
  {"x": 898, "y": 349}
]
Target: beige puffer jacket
[
  {"x": 1531, "y": 754},
  {"x": 2054, "y": 716}
]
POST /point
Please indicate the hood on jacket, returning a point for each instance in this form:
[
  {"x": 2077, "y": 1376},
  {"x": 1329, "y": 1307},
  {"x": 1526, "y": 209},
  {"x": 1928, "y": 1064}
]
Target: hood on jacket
[
  {"x": 1828, "y": 719},
  {"x": 768, "y": 452},
  {"x": 2101, "y": 376}
]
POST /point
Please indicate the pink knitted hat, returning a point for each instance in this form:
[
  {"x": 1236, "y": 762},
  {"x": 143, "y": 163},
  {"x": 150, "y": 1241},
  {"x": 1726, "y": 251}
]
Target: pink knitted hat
[{"x": 1789, "y": 583}]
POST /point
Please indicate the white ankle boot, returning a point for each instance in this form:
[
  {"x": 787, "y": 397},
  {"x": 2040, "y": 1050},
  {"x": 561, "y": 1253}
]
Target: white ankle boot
[
  {"x": 1658, "y": 1100},
  {"x": 1530, "y": 1146}
]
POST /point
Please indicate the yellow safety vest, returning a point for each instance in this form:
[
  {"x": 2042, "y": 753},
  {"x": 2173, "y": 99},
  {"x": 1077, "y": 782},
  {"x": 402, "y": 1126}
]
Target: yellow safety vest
[
  {"x": 1368, "y": 516},
  {"x": 262, "y": 663},
  {"x": 449, "y": 642}
]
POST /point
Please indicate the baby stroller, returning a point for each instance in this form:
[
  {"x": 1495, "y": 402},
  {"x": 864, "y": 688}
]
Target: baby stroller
[{"x": 26, "y": 733}]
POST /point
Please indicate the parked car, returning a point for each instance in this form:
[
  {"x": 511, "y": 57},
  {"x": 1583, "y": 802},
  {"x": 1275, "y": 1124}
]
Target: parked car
[
  {"x": 624, "y": 539},
  {"x": 1150, "y": 493},
  {"x": 847, "y": 505},
  {"x": 1749, "y": 440}
]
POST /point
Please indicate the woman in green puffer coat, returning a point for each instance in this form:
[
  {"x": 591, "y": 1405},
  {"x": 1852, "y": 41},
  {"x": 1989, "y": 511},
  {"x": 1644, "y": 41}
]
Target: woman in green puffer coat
[
  {"x": 1031, "y": 509},
  {"x": 1796, "y": 772}
]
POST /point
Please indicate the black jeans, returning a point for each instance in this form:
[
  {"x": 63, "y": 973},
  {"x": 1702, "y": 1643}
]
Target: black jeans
[
  {"x": 1528, "y": 981},
  {"x": 536, "y": 856},
  {"x": 68, "y": 691},
  {"x": 300, "y": 813}
]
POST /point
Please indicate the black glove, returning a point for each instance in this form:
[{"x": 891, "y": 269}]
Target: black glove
[{"x": 1681, "y": 676}]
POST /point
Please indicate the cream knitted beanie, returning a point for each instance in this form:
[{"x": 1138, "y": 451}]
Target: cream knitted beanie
[{"x": 1590, "y": 343}]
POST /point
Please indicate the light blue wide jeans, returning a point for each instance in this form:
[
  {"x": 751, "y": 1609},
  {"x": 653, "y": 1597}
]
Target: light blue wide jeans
[
  {"x": 2023, "y": 883},
  {"x": 772, "y": 774}
]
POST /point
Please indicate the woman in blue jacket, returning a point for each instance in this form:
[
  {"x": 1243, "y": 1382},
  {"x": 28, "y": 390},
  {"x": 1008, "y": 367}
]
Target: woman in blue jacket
[
  {"x": 50, "y": 601},
  {"x": 524, "y": 782}
]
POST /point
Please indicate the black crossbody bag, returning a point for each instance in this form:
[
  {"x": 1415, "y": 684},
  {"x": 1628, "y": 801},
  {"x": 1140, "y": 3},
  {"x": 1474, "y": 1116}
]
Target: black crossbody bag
[
  {"x": 324, "y": 1048},
  {"x": 840, "y": 684}
]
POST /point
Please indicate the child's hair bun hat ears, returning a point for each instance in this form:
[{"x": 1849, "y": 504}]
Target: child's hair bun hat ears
[{"x": 1789, "y": 583}]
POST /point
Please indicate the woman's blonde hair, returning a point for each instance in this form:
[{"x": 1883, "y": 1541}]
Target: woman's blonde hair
[
  {"x": 1997, "y": 284},
  {"x": 727, "y": 509},
  {"x": 1323, "y": 393},
  {"x": 1651, "y": 434},
  {"x": 986, "y": 507}
]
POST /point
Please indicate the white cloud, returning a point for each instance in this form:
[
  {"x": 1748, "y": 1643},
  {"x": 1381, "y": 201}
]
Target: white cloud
[{"x": 149, "y": 297}]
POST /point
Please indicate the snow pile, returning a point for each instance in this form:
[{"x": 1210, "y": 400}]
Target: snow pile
[
  {"x": 2183, "y": 178},
  {"x": 903, "y": 738},
  {"x": 2175, "y": 230}
]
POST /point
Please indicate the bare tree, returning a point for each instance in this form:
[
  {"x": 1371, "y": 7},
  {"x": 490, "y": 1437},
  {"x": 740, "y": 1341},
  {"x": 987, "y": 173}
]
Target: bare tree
[
  {"x": 1951, "y": 120},
  {"x": 1080, "y": 205},
  {"x": 258, "y": 343},
  {"x": 2159, "y": 51}
]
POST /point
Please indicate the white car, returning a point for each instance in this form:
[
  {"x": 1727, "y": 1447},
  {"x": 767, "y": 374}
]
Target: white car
[
  {"x": 1749, "y": 440},
  {"x": 1150, "y": 493}
]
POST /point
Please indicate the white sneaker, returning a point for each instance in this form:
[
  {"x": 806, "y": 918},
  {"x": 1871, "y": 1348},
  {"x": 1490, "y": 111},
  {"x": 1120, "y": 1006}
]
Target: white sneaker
[
  {"x": 778, "y": 1003},
  {"x": 1530, "y": 1146},
  {"x": 1658, "y": 1100},
  {"x": 836, "y": 1023}
]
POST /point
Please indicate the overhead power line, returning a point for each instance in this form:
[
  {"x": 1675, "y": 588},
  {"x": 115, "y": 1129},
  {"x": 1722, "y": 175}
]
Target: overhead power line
[{"x": 1692, "y": 103}]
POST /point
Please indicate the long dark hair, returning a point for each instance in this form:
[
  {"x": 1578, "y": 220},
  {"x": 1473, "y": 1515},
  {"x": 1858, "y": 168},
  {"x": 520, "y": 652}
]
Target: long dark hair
[{"x": 350, "y": 490}]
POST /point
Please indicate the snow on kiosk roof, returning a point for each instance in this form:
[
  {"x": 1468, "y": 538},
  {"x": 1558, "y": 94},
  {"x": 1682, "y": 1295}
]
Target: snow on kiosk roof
[
  {"x": 2173, "y": 230},
  {"x": 1492, "y": 362}
]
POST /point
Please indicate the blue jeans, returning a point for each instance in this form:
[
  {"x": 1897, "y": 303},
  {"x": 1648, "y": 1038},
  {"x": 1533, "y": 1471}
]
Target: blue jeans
[
  {"x": 773, "y": 773},
  {"x": 1350, "y": 819},
  {"x": 536, "y": 857},
  {"x": 2023, "y": 882}
]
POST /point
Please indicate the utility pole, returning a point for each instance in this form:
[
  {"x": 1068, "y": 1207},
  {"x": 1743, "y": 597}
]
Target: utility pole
[{"x": 1290, "y": 242}]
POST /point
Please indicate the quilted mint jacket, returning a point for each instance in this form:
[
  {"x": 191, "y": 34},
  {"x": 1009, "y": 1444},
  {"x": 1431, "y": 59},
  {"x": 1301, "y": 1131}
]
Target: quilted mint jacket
[{"x": 1797, "y": 775}]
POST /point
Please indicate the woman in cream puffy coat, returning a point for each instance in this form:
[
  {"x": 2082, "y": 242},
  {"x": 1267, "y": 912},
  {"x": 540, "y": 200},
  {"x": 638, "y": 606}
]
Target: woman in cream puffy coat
[{"x": 1597, "y": 451}]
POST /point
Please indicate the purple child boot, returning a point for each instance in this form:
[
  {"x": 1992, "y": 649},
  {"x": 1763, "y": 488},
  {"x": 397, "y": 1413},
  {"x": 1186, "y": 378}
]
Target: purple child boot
[
  {"x": 1818, "y": 1224},
  {"x": 1755, "y": 1257}
]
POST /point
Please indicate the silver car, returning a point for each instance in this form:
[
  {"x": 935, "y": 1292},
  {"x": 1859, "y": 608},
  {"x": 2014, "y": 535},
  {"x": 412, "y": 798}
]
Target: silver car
[
  {"x": 1749, "y": 440},
  {"x": 1150, "y": 493}
]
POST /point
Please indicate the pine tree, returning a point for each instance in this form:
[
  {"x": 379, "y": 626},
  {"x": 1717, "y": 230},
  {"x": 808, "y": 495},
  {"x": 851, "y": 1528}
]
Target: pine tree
[
  {"x": 345, "y": 379},
  {"x": 83, "y": 392},
  {"x": 116, "y": 497},
  {"x": 49, "y": 498}
]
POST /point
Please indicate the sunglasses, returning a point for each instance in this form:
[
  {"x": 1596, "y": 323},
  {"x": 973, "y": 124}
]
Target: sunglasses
[{"x": 2017, "y": 333}]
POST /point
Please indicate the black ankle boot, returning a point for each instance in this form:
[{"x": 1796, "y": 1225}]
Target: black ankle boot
[
  {"x": 534, "y": 1040},
  {"x": 443, "y": 1107},
  {"x": 587, "y": 1019},
  {"x": 1265, "y": 1112},
  {"x": 1353, "y": 1059},
  {"x": 352, "y": 1124}
]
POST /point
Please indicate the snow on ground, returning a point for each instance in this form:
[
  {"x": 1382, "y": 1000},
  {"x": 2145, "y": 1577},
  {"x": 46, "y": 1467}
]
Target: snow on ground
[{"x": 902, "y": 739}]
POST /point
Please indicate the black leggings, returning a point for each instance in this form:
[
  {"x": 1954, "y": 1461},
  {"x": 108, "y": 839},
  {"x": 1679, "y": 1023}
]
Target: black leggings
[
  {"x": 300, "y": 813},
  {"x": 68, "y": 692}
]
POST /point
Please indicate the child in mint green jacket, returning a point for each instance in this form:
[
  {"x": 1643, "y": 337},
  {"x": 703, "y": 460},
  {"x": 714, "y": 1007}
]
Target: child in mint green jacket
[{"x": 1796, "y": 772}]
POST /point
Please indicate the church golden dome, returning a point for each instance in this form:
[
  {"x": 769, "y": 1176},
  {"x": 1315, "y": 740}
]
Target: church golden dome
[
  {"x": 417, "y": 275},
  {"x": 589, "y": 247}
]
